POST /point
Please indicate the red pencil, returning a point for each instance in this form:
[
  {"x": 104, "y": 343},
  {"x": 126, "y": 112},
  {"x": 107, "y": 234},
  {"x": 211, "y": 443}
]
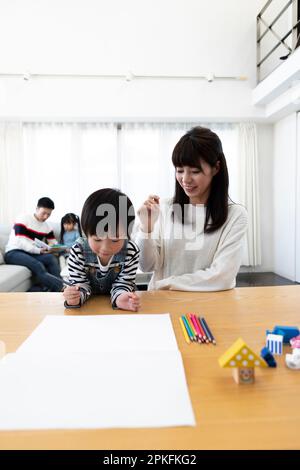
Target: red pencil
[
  {"x": 203, "y": 332},
  {"x": 198, "y": 332}
]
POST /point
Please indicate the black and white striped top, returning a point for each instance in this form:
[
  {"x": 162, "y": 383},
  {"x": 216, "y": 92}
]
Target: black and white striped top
[{"x": 125, "y": 282}]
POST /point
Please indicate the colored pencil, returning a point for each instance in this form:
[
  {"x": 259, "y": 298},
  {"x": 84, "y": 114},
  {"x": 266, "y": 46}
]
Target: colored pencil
[
  {"x": 186, "y": 337},
  {"x": 202, "y": 330},
  {"x": 189, "y": 331},
  {"x": 72, "y": 284},
  {"x": 208, "y": 330},
  {"x": 192, "y": 328},
  {"x": 194, "y": 321},
  {"x": 208, "y": 339}
]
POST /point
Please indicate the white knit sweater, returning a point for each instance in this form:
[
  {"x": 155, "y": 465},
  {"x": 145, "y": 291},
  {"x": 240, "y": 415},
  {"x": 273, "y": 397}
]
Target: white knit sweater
[{"x": 184, "y": 258}]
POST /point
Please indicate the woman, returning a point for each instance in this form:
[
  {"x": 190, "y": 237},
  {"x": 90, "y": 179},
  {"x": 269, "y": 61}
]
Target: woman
[{"x": 193, "y": 242}]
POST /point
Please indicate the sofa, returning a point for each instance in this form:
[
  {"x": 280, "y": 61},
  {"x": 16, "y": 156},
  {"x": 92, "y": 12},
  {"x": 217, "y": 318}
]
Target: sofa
[
  {"x": 18, "y": 278},
  {"x": 14, "y": 278}
]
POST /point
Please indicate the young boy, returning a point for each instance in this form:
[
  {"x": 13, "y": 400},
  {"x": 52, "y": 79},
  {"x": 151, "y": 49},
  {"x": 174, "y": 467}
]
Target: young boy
[{"x": 105, "y": 260}]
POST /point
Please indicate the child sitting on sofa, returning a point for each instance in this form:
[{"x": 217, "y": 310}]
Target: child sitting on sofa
[{"x": 69, "y": 232}]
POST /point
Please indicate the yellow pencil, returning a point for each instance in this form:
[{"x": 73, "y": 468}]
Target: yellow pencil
[{"x": 184, "y": 331}]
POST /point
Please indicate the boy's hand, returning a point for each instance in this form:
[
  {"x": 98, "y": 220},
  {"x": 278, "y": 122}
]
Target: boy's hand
[
  {"x": 72, "y": 295},
  {"x": 128, "y": 301}
]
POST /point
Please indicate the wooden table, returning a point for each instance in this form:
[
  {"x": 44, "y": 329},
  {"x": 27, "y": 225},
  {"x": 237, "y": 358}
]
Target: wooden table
[{"x": 265, "y": 415}]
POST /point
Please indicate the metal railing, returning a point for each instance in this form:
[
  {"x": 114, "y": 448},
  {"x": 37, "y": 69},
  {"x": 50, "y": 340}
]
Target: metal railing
[{"x": 281, "y": 35}]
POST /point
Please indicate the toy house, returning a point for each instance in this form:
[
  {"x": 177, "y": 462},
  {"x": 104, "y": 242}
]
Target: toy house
[{"x": 243, "y": 362}]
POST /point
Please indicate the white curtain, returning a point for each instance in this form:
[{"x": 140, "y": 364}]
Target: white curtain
[
  {"x": 12, "y": 189},
  {"x": 67, "y": 162},
  {"x": 146, "y": 157},
  {"x": 249, "y": 191}
]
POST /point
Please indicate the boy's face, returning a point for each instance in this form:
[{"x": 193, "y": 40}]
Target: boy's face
[
  {"x": 105, "y": 247},
  {"x": 42, "y": 213}
]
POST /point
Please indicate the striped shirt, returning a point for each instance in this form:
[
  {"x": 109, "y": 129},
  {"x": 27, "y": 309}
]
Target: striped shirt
[{"x": 125, "y": 282}]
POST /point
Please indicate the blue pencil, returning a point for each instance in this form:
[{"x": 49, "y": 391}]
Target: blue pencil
[
  {"x": 212, "y": 339},
  {"x": 208, "y": 339}
]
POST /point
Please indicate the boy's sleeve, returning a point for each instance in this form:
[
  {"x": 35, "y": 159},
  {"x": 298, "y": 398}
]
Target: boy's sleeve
[
  {"x": 125, "y": 281},
  {"x": 77, "y": 273}
]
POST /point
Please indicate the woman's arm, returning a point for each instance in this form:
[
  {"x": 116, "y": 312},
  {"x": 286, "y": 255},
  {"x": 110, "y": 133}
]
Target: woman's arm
[
  {"x": 150, "y": 250},
  {"x": 147, "y": 234}
]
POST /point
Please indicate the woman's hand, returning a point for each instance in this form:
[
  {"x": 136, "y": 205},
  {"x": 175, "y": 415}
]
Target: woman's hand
[
  {"x": 72, "y": 295},
  {"x": 128, "y": 301},
  {"x": 148, "y": 213}
]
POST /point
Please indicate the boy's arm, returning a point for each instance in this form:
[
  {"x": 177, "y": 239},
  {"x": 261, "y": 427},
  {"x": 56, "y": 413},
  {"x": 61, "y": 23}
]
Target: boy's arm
[
  {"x": 125, "y": 281},
  {"x": 77, "y": 273}
]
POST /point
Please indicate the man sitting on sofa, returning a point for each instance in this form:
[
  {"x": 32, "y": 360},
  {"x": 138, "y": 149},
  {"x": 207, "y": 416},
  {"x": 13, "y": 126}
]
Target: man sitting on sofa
[{"x": 22, "y": 250}]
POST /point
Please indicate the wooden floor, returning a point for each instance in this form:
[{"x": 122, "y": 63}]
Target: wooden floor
[
  {"x": 243, "y": 280},
  {"x": 262, "y": 279}
]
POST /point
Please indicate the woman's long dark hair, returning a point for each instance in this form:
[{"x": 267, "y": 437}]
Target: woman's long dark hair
[
  {"x": 201, "y": 143},
  {"x": 69, "y": 218}
]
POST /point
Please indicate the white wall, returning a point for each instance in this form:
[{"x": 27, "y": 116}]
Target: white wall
[
  {"x": 284, "y": 194},
  {"x": 180, "y": 37},
  {"x": 185, "y": 37},
  {"x": 266, "y": 185},
  {"x": 298, "y": 202}
]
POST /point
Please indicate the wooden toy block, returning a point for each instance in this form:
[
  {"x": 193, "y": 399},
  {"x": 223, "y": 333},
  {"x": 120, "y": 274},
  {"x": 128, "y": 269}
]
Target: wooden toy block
[
  {"x": 268, "y": 357},
  {"x": 275, "y": 344},
  {"x": 288, "y": 332},
  {"x": 243, "y": 375},
  {"x": 243, "y": 361}
]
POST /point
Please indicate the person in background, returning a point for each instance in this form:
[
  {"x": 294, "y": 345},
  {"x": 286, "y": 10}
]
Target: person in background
[
  {"x": 22, "y": 248},
  {"x": 69, "y": 232},
  {"x": 105, "y": 260},
  {"x": 70, "y": 229},
  {"x": 193, "y": 241}
]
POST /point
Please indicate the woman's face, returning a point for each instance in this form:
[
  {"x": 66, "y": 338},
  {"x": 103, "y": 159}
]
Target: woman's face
[{"x": 196, "y": 183}]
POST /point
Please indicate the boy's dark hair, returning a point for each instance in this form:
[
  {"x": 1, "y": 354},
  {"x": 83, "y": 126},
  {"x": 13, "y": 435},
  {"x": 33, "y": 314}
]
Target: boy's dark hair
[
  {"x": 105, "y": 210},
  {"x": 45, "y": 202},
  {"x": 200, "y": 142},
  {"x": 69, "y": 218}
]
